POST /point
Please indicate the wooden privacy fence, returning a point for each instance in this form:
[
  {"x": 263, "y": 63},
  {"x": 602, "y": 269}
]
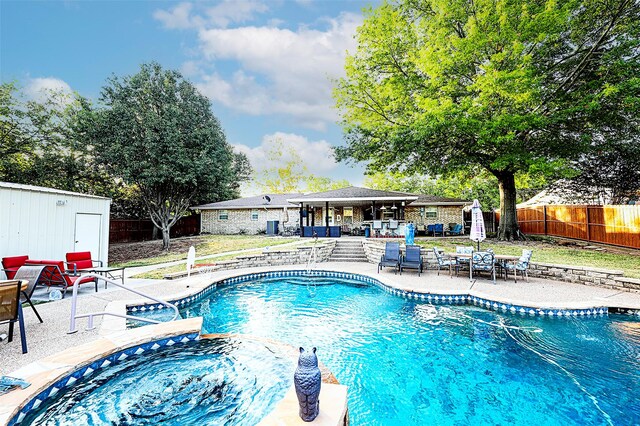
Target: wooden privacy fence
[
  {"x": 617, "y": 225},
  {"x": 132, "y": 230}
]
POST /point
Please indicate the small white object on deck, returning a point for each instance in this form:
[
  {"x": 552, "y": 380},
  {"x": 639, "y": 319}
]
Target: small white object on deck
[{"x": 191, "y": 259}]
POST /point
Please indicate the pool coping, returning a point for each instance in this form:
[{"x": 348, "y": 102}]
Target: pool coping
[{"x": 203, "y": 287}]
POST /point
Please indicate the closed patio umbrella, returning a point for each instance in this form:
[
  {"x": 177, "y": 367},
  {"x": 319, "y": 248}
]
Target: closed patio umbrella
[{"x": 477, "y": 224}]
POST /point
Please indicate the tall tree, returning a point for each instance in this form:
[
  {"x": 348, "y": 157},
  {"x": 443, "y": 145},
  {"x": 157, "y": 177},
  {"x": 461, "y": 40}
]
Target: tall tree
[
  {"x": 512, "y": 86},
  {"x": 157, "y": 132}
]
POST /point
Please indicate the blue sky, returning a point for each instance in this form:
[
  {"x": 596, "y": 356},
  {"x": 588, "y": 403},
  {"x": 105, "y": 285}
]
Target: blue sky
[{"x": 265, "y": 65}]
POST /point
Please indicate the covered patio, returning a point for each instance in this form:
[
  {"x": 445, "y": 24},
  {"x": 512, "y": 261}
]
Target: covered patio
[{"x": 354, "y": 211}]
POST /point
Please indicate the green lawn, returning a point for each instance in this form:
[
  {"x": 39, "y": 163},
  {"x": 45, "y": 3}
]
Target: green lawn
[
  {"x": 547, "y": 252},
  {"x": 214, "y": 244}
]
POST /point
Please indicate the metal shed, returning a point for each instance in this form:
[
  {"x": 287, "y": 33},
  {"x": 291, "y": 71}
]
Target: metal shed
[{"x": 46, "y": 223}]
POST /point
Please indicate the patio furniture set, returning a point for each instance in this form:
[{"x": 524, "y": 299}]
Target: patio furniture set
[
  {"x": 464, "y": 257},
  {"x": 25, "y": 274}
]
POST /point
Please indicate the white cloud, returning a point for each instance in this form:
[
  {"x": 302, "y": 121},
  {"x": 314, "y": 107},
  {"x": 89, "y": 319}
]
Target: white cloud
[
  {"x": 283, "y": 71},
  {"x": 37, "y": 88},
  {"x": 226, "y": 12},
  {"x": 317, "y": 156},
  {"x": 179, "y": 17},
  {"x": 231, "y": 11}
]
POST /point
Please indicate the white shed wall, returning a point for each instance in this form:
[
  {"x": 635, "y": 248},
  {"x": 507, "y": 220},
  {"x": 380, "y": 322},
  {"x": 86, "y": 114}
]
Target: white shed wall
[{"x": 41, "y": 223}]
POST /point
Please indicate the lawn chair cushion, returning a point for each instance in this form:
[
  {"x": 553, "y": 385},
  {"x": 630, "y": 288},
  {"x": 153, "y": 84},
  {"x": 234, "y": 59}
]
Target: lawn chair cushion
[
  {"x": 55, "y": 273},
  {"x": 81, "y": 260},
  {"x": 11, "y": 264}
]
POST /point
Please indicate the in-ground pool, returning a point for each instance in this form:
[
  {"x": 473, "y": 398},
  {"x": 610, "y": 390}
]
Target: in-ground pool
[
  {"x": 408, "y": 362},
  {"x": 209, "y": 382}
]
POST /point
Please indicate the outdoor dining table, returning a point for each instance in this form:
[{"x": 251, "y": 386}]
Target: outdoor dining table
[
  {"x": 503, "y": 257},
  {"x": 105, "y": 271}
]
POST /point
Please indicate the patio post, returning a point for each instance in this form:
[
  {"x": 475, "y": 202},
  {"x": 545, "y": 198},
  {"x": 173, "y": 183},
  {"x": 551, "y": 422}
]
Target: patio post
[{"x": 326, "y": 216}]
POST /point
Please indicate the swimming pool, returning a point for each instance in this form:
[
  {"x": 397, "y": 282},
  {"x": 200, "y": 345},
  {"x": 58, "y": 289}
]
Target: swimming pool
[
  {"x": 211, "y": 381},
  {"x": 409, "y": 362}
]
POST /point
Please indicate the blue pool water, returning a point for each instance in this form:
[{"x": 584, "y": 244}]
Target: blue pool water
[
  {"x": 410, "y": 363},
  {"x": 211, "y": 382}
]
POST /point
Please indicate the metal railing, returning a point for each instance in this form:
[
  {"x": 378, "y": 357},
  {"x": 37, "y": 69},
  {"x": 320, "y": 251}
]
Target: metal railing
[{"x": 90, "y": 326}]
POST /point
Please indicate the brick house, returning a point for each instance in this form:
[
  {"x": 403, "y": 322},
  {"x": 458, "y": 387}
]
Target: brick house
[
  {"x": 331, "y": 213},
  {"x": 247, "y": 215},
  {"x": 353, "y": 209}
]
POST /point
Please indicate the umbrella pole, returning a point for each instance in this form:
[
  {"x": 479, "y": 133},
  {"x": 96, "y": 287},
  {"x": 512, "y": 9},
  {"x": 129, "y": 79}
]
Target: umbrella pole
[{"x": 478, "y": 245}]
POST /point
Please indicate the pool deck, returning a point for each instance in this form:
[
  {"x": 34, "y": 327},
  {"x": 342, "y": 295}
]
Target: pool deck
[{"x": 51, "y": 336}]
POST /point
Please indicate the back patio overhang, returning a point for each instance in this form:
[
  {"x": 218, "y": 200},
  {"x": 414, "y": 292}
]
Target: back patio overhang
[{"x": 377, "y": 204}]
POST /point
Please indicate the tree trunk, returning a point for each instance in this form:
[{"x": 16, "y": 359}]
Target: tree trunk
[
  {"x": 508, "y": 229},
  {"x": 165, "y": 238}
]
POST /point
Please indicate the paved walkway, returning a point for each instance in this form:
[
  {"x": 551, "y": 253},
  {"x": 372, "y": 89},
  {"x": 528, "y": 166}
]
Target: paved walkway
[{"x": 51, "y": 336}]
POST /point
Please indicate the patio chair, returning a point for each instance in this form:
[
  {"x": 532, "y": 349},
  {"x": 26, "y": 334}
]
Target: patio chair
[
  {"x": 11, "y": 309},
  {"x": 81, "y": 260},
  {"x": 391, "y": 257},
  {"x": 521, "y": 265},
  {"x": 11, "y": 264},
  {"x": 377, "y": 227},
  {"x": 54, "y": 274},
  {"x": 411, "y": 259},
  {"x": 456, "y": 230},
  {"x": 464, "y": 250},
  {"x": 438, "y": 229},
  {"x": 484, "y": 261},
  {"x": 393, "y": 227},
  {"x": 430, "y": 229},
  {"x": 445, "y": 263},
  {"x": 31, "y": 274}
]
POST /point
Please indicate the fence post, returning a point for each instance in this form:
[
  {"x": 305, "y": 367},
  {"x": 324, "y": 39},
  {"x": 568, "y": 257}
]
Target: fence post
[
  {"x": 544, "y": 218},
  {"x": 587, "y": 219}
]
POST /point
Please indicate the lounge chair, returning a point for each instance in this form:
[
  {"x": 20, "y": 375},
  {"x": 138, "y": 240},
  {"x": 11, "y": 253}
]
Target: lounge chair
[
  {"x": 55, "y": 275},
  {"x": 445, "y": 263},
  {"x": 32, "y": 274},
  {"x": 11, "y": 309},
  {"x": 81, "y": 260},
  {"x": 456, "y": 230},
  {"x": 11, "y": 264},
  {"x": 411, "y": 259},
  {"x": 484, "y": 261},
  {"x": 521, "y": 265},
  {"x": 391, "y": 257}
]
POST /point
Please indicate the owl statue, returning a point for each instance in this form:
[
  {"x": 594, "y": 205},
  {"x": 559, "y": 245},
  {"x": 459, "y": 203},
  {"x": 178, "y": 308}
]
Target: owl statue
[{"x": 307, "y": 380}]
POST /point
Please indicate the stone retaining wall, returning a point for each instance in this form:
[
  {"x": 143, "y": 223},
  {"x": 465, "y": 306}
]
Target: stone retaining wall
[
  {"x": 606, "y": 278},
  {"x": 299, "y": 255}
]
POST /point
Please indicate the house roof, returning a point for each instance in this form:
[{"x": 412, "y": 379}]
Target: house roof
[
  {"x": 32, "y": 188},
  {"x": 354, "y": 195},
  {"x": 274, "y": 201}
]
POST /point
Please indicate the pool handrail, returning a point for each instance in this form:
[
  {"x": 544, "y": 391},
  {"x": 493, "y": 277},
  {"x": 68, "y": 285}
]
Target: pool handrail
[{"x": 74, "y": 304}]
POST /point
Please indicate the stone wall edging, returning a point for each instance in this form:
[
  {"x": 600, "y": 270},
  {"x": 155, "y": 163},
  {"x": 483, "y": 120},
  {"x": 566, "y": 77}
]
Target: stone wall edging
[{"x": 585, "y": 275}]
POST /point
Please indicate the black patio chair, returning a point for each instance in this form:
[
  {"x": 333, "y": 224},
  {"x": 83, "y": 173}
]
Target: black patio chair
[
  {"x": 391, "y": 256},
  {"x": 412, "y": 259}
]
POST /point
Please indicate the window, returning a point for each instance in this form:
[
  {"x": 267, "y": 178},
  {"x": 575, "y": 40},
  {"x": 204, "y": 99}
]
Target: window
[
  {"x": 347, "y": 213},
  {"x": 223, "y": 215},
  {"x": 254, "y": 214},
  {"x": 431, "y": 212}
]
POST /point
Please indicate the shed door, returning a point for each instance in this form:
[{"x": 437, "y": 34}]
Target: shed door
[{"x": 88, "y": 233}]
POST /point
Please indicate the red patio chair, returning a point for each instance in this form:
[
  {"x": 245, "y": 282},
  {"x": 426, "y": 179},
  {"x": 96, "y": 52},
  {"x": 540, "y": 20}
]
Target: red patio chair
[
  {"x": 11, "y": 264},
  {"x": 81, "y": 260},
  {"x": 55, "y": 274}
]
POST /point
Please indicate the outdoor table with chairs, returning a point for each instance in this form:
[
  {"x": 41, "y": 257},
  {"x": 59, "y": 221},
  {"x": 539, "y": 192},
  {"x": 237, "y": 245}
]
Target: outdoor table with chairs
[{"x": 483, "y": 261}]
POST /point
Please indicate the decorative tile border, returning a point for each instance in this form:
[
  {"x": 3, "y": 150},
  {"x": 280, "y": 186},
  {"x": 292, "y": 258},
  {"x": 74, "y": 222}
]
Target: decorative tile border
[
  {"x": 88, "y": 370},
  {"x": 443, "y": 299}
]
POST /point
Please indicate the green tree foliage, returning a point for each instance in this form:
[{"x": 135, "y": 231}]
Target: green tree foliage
[
  {"x": 158, "y": 133},
  {"x": 528, "y": 86},
  {"x": 41, "y": 144},
  {"x": 287, "y": 171},
  {"x": 481, "y": 185},
  {"x": 288, "y": 174}
]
